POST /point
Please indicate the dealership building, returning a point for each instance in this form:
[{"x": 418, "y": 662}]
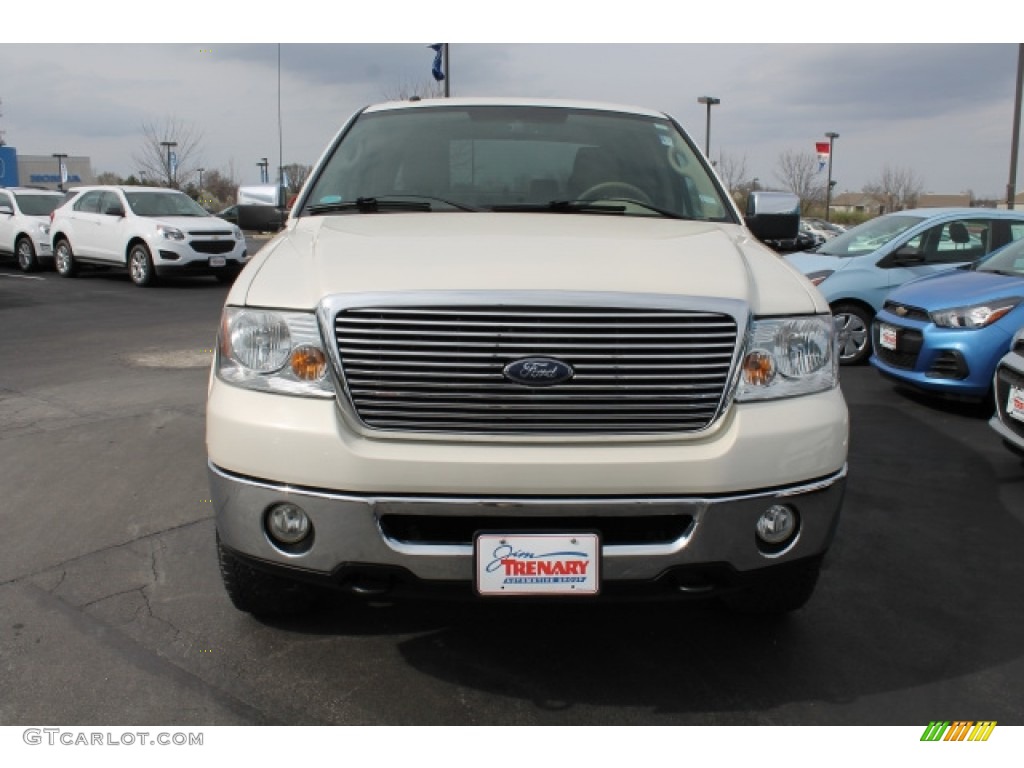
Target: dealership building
[{"x": 45, "y": 171}]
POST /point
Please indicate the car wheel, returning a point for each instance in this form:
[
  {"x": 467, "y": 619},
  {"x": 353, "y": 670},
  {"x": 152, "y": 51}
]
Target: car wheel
[
  {"x": 27, "y": 260},
  {"x": 779, "y": 594},
  {"x": 854, "y": 327},
  {"x": 140, "y": 266},
  {"x": 263, "y": 594},
  {"x": 64, "y": 259}
]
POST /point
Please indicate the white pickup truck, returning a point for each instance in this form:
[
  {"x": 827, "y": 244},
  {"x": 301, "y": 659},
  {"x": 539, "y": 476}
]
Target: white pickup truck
[{"x": 524, "y": 349}]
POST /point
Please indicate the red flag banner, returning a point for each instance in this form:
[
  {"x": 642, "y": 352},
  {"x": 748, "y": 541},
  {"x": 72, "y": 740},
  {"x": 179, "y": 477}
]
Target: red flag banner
[{"x": 823, "y": 152}]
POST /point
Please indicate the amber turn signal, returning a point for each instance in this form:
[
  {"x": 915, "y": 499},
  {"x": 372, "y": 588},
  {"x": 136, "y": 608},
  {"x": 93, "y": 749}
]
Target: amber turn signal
[{"x": 308, "y": 363}]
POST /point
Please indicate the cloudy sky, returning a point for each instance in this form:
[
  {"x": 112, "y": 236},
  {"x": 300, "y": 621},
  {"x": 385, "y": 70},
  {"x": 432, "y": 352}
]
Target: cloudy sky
[{"x": 941, "y": 110}]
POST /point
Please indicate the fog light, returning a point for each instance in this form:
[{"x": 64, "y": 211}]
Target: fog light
[
  {"x": 776, "y": 524},
  {"x": 287, "y": 523}
]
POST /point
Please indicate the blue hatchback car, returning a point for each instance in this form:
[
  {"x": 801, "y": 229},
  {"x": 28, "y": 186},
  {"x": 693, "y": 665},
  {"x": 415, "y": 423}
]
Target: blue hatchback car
[
  {"x": 856, "y": 270},
  {"x": 946, "y": 333}
]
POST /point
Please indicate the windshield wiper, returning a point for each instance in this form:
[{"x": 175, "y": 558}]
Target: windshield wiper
[
  {"x": 607, "y": 205},
  {"x": 368, "y": 205}
]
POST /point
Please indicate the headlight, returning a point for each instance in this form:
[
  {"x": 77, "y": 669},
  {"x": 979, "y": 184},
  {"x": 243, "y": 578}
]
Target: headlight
[
  {"x": 977, "y": 316},
  {"x": 44, "y": 229},
  {"x": 170, "y": 233},
  {"x": 788, "y": 357},
  {"x": 238, "y": 234},
  {"x": 818, "y": 277},
  {"x": 273, "y": 352}
]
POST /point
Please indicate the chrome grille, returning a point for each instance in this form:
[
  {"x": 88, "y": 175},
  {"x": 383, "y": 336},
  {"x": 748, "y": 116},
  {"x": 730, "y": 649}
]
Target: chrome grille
[{"x": 440, "y": 368}]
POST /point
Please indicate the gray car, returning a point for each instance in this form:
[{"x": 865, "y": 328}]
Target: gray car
[{"x": 1008, "y": 386}]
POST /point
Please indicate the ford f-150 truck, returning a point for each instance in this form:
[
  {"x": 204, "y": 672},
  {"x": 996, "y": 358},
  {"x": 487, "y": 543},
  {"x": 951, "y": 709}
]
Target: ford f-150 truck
[{"x": 524, "y": 349}]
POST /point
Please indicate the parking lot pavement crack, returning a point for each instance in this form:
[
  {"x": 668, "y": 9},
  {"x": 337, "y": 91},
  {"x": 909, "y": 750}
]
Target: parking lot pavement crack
[{"x": 145, "y": 660}]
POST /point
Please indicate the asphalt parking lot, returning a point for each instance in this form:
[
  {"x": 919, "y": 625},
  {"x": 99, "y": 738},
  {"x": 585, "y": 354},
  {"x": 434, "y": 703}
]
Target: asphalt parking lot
[{"x": 112, "y": 610}]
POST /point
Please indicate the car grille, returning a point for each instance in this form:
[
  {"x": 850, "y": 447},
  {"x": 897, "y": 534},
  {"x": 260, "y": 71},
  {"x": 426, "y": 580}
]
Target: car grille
[
  {"x": 908, "y": 348},
  {"x": 213, "y": 246},
  {"x": 440, "y": 368},
  {"x": 1006, "y": 378},
  {"x": 907, "y": 311}
]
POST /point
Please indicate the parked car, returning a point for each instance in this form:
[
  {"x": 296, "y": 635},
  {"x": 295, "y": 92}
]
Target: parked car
[
  {"x": 25, "y": 225},
  {"x": 509, "y": 347},
  {"x": 826, "y": 229},
  {"x": 804, "y": 240},
  {"x": 1008, "y": 386},
  {"x": 151, "y": 231},
  {"x": 946, "y": 333},
  {"x": 856, "y": 270}
]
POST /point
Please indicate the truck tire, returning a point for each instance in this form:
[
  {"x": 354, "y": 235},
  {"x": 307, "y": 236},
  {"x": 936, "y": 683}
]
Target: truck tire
[
  {"x": 262, "y": 594},
  {"x": 777, "y": 595}
]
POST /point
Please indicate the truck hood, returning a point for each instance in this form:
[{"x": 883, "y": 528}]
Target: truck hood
[{"x": 358, "y": 253}]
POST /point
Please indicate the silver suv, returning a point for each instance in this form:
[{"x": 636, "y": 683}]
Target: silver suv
[
  {"x": 152, "y": 231},
  {"x": 25, "y": 224}
]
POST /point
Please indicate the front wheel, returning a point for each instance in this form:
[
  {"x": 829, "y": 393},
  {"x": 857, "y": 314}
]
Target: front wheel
[
  {"x": 262, "y": 594},
  {"x": 27, "y": 260},
  {"x": 64, "y": 259},
  {"x": 853, "y": 324},
  {"x": 140, "y": 266}
]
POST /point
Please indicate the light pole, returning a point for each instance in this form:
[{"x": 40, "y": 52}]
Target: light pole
[
  {"x": 170, "y": 173},
  {"x": 60, "y": 169},
  {"x": 264, "y": 166},
  {"x": 710, "y": 101},
  {"x": 200, "y": 180},
  {"x": 831, "y": 136},
  {"x": 1011, "y": 187}
]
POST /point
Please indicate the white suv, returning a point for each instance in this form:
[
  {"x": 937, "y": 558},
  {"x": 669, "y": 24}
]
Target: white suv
[
  {"x": 524, "y": 348},
  {"x": 25, "y": 224},
  {"x": 152, "y": 231}
]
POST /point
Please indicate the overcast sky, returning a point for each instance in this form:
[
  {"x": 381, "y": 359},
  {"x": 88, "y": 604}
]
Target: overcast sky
[{"x": 944, "y": 111}]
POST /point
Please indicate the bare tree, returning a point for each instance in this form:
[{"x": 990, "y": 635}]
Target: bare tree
[
  {"x": 898, "y": 188},
  {"x": 296, "y": 173},
  {"x": 159, "y": 141},
  {"x": 732, "y": 171},
  {"x": 798, "y": 173},
  {"x": 427, "y": 89}
]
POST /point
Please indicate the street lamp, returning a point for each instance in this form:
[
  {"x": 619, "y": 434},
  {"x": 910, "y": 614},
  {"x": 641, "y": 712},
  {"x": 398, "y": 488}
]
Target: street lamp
[
  {"x": 831, "y": 136},
  {"x": 710, "y": 101},
  {"x": 170, "y": 173},
  {"x": 60, "y": 170},
  {"x": 200, "y": 180}
]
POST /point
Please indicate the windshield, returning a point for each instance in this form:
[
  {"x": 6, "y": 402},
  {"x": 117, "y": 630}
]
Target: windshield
[
  {"x": 513, "y": 158},
  {"x": 869, "y": 236},
  {"x": 38, "y": 205},
  {"x": 1007, "y": 261},
  {"x": 163, "y": 204}
]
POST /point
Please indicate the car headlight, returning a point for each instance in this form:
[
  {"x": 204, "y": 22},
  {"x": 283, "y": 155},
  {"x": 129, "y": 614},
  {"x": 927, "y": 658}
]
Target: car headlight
[
  {"x": 43, "y": 228},
  {"x": 977, "y": 316},
  {"x": 170, "y": 233},
  {"x": 238, "y": 234},
  {"x": 273, "y": 351},
  {"x": 786, "y": 357},
  {"x": 818, "y": 277}
]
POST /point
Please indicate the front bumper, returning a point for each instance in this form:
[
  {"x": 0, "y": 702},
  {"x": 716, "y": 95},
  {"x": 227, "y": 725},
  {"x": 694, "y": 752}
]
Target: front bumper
[
  {"x": 1009, "y": 373},
  {"x": 942, "y": 360},
  {"x": 362, "y": 533}
]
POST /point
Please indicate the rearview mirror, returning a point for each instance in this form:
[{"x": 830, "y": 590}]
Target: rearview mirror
[{"x": 773, "y": 215}]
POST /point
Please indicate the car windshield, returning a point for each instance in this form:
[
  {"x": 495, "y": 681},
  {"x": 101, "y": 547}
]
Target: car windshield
[
  {"x": 869, "y": 236},
  {"x": 515, "y": 158},
  {"x": 1006, "y": 261},
  {"x": 163, "y": 204},
  {"x": 38, "y": 205}
]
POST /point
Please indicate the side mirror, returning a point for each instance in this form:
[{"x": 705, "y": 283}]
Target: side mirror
[
  {"x": 905, "y": 256},
  {"x": 773, "y": 215},
  {"x": 6, "y": 210}
]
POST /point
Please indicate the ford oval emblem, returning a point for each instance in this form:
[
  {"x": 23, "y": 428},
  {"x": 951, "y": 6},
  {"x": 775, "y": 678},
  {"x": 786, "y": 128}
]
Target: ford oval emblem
[{"x": 538, "y": 371}]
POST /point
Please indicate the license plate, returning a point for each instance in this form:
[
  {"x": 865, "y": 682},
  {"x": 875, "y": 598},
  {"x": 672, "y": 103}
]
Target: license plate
[
  {"x": 1015, "y": 403},
  {"x": 887, "y": 336},
  {"x": 537, "y": 564},
  {"x": 217, "y": 261}
]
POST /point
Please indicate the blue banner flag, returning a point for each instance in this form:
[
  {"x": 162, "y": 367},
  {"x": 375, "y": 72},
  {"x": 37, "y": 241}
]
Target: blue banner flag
[{"x": 437, "y": 70}]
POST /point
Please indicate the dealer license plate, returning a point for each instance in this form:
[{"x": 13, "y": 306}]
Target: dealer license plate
[
  {"x": 1015, "y": 403},
  {"x": 537, "y": 563},
  {"x": 887, "y": 336},
  {"x": 217, "y": 261}
]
